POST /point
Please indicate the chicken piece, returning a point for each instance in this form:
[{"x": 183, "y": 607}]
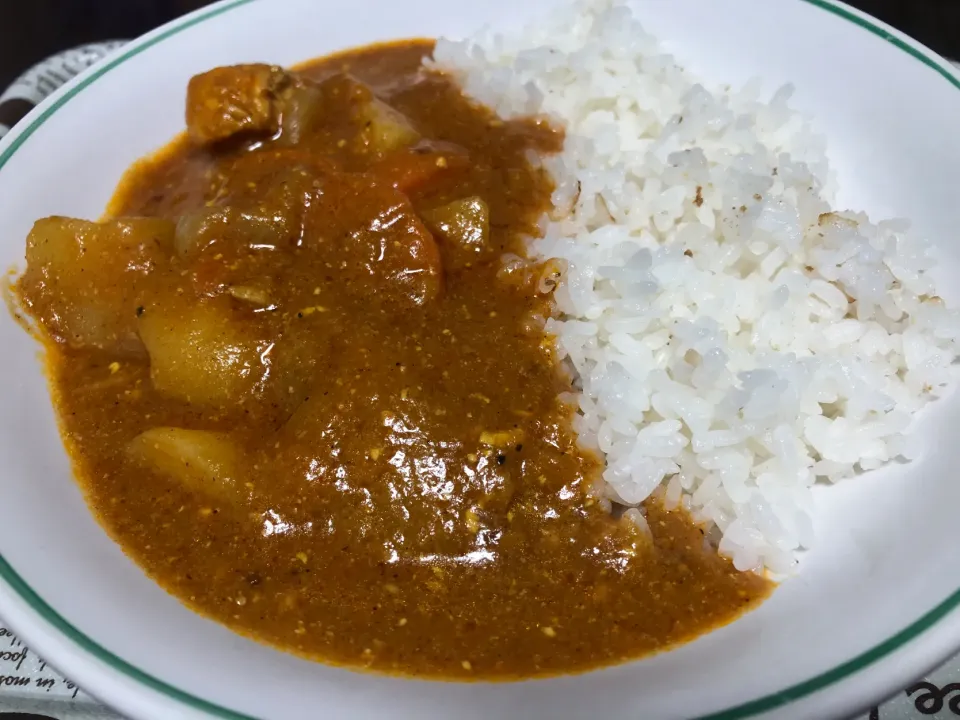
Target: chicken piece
[
  {"x": 235, "y": 99},
  {"x": 377, "y": 235},
  {"x": 84, "y": 280}
]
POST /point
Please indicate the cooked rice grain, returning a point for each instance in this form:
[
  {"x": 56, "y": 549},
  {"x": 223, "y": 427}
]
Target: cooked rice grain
[{"x": 736, "y": 339}]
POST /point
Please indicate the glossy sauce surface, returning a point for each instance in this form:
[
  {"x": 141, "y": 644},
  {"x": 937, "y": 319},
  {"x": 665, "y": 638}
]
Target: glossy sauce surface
[{"x": 390, "y": 478}]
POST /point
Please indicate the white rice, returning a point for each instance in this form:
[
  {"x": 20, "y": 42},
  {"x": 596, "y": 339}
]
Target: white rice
[{"x": 735, "y": 341}]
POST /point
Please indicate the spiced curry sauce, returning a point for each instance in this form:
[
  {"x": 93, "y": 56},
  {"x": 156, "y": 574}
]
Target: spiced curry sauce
[{"x": 324, "y": 411}]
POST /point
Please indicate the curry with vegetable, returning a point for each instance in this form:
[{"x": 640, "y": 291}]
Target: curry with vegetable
[{"x": 300, "y": 366}]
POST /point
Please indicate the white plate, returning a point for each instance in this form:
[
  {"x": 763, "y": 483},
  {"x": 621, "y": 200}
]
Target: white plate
[{"x": 876, "y": 603}]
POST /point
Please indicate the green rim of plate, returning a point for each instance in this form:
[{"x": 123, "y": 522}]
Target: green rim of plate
[{"x": 748, "y": 709}]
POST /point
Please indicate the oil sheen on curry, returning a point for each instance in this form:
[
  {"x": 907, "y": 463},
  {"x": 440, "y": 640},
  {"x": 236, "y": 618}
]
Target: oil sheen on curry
[{"x": 305, "y": 392}]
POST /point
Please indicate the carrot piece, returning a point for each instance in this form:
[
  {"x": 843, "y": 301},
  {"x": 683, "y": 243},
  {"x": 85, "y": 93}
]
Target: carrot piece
[{"x": 411, "y": 170}]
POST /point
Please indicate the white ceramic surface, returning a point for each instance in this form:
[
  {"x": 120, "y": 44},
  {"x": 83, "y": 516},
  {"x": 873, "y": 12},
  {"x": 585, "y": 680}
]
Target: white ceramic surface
[{"x": 875, "y": 604}]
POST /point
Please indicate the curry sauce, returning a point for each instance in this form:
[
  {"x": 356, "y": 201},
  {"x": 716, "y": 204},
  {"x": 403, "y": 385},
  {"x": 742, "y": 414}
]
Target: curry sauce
[{"x": 301, "y": 369}]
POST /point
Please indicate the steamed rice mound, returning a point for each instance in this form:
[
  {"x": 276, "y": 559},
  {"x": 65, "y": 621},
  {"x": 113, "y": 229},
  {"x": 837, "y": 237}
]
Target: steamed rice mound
[{"x": 736, "y": 339}]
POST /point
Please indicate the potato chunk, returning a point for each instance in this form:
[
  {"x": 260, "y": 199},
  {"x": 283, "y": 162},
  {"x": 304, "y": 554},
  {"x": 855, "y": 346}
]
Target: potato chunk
[
  {"x": 200, "y": 353},
  {"x": 350, "y": 109},
  {"x": 236, "y": 99},
  {"x": 201, "y": 228},
  {"x": 384, "y": 129},
  {"x": 463, "y": 227},
  {"x": 204, "y": 461},
  {"x": 85, "y": 280},
  {"x": 302, "y": 109}
]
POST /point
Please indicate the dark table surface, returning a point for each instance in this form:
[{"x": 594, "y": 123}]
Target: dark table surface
[{"x": 35, "y": 29}]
